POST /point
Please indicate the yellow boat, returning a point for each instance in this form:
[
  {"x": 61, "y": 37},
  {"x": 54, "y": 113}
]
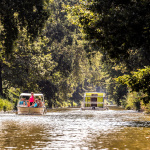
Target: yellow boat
[
  {"x": 24, "y": 109},
  {"x": 93, "y": 101}
]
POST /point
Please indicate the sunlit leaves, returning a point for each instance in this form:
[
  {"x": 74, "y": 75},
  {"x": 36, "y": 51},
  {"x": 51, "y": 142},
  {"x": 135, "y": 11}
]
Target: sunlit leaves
[
  {"x": 114, "y": 26},
  {"x": 137, "y": 81},
  {"x": 15, "y": 14}
]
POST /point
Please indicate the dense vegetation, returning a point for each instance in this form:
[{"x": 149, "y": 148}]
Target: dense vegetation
[
  {"x": 120, "y": 30},
  {"x": 5, "y": 104},
  {"x": 64, "y": 48}
]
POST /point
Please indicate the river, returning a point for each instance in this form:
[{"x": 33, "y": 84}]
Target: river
[{"x": 74, "y": 129}]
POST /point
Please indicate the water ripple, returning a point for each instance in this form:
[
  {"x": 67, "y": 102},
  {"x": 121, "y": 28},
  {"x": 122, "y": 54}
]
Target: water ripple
[{"x": 74, "y": 129}]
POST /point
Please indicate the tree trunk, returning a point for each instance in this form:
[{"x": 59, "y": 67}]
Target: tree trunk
[
  {"x": 1, "y": 89},
  {"x": 49, "y": 104}
]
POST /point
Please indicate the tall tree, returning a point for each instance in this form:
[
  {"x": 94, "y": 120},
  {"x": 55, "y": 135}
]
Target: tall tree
[
  {"x": 15, "y": 14},
  {"x": 121, "y": 30},
  {"x": 139, "y": 82},
  {"x": 115, "y": 26},
  {"x": 27, "y": 64}
]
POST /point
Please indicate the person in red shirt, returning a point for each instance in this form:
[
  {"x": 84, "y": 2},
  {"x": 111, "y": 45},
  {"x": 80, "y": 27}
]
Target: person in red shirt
[{"x": 32, "y": 98}]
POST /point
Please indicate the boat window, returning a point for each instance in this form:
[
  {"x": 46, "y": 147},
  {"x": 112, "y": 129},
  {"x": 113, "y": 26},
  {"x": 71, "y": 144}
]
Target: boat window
[{"x": 94, "y": 94}]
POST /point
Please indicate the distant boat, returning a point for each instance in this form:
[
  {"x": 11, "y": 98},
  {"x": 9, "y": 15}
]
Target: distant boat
[
  {"x": 93, "y": 101},
  {"x": 24, "y": 107}
]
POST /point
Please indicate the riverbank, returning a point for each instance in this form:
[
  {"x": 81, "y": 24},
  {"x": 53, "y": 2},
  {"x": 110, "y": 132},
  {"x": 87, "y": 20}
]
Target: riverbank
[{"x": 115, "y": 107}]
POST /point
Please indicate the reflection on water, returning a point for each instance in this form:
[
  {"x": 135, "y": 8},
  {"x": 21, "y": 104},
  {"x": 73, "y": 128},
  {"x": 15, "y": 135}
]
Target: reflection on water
[
  {"x": 125, "y": 138},
  {"x": 75, "y": 130}
]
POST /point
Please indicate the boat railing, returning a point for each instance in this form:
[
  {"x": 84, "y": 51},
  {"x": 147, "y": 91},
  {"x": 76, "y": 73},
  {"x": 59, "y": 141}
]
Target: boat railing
[{"x": 94, "y": 96}]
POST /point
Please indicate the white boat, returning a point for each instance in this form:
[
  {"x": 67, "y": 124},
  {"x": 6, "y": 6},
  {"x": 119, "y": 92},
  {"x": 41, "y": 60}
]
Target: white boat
[{"x": 25, "y": 109}]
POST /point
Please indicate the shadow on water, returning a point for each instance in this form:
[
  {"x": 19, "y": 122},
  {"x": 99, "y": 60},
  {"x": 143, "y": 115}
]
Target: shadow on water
[
  {"x": 144, "y": 124},
  {"x": 22, "y": 135},
  {"x": 74, "y": 129},
  {"x": 123, "y": 139}
]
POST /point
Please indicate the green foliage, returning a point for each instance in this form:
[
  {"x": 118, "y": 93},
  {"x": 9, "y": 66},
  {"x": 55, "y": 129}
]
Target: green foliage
[
  {"x": 133, "y": 101},
  {"x": 16, "y": 14},
  {"x": 5, "y": 104},
  {"x": 120, "y": 30},
  {"x": 59, "y": 63},
  {"x": 68, "y": 51},
  {"x": 46, "y": 103},
  {"x": 147, "y": 108},
  {"x": 4, "y": 108},
  {"x": 116, "y": 92},
  {"x": 13, "y": 96},
  {"x": 27, "y": 64},
  {"x": 116, "y": 27},
  {"x": 138, "y": 81}
]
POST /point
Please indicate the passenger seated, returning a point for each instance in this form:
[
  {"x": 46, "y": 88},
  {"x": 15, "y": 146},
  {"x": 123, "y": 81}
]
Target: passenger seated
[
  {"x": 24, "y": 103},
  {"x": 28, "y": 103},
  {"x": 21, "y": 102},
  {"x": 40, "y": 103},
  {"x": 35, "y": 104}
]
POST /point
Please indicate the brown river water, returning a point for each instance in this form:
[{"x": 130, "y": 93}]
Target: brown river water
[{"x": 75, "y": 129}]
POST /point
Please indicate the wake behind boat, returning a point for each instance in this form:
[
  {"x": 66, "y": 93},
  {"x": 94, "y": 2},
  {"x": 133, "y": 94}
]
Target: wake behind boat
[{"x": 24, "y": 107}]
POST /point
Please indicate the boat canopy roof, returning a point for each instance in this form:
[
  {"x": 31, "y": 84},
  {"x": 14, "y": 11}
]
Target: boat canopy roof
[
  {"x": 29, "y": 94},
  {"x": 94, "y": 94}
]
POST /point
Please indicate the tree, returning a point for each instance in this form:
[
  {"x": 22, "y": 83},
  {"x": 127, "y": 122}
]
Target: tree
[
  {"x": 16, "y": 14},
  {"x": 67, "y": 52},
  {"x": 115, "y": 26},
  {"x": 138, "y": 81},
  {"x": 27, "y": 64},
  {"x": 120, "y": 30}
]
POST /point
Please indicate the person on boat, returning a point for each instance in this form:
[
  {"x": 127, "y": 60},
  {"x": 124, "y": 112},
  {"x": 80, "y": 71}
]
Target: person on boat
[
  {"x": 35, "y": 104},
  {"x": 24, "y": 102},
  {"x": 40, "y": 103},
  {"x": 21, "y": 101},
  {"x": 28, "y": 103},
  {"x": 32, "y": 98}
]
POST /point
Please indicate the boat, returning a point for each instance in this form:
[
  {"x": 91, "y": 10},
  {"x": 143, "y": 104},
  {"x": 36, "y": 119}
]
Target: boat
[
  {"x": 24, "y": 108},
  {"x": 93, "y": 101}
]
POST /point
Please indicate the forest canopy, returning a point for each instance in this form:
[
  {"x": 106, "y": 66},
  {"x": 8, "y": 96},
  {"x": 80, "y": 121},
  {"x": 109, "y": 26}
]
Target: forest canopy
[
  {"x": 65, "y": 48},
  {"x": 120, "y": 30},
  {"x": 16, "y": 14},
  {"x": 116, "y": 26}
]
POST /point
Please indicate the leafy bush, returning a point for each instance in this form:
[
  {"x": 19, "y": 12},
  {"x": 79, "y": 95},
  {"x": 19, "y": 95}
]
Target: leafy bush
[
  {"x": 147, "y": 108},
  {"x": 139, "y": 82},
  {"x": 5, "y": 105},
  {"x": 13, "y": 96},
  {"x": 133, "y": 101}
]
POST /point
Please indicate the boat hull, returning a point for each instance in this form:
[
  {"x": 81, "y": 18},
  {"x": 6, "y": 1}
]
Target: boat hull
[
  {"x": 31, "y": 111},
  {"x": 94, "y": 108}
]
